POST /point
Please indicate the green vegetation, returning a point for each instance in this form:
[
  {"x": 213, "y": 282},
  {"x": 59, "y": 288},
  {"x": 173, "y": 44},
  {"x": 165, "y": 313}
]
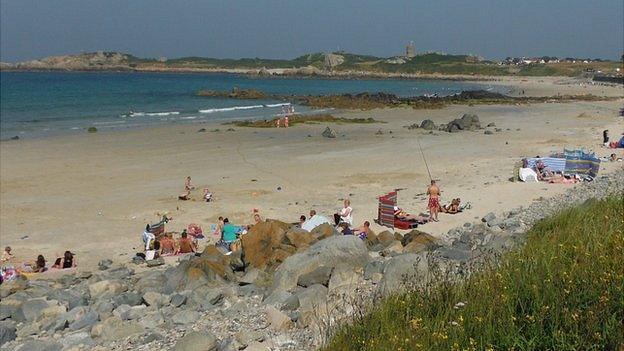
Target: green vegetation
[
  {"x": 564, "y": 290},
  {"x": 92, "y": 130},
  {"x": 294, "y": 120}
]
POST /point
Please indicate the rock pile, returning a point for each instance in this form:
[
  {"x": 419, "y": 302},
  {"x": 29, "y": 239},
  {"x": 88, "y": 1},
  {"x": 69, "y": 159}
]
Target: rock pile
[{"x": 283, "y": 292}]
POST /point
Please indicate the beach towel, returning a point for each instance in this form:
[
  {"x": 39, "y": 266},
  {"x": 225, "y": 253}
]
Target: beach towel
[
  {"x": 314, "y": 222},
  {"x": 581, "y": 162}
]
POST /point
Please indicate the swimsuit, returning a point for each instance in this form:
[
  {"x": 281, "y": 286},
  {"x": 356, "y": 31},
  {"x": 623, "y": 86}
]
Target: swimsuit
[{"x": 434, "y": 202}]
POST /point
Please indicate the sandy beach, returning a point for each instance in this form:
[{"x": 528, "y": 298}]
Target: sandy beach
[{"x": 94, "y": 193}]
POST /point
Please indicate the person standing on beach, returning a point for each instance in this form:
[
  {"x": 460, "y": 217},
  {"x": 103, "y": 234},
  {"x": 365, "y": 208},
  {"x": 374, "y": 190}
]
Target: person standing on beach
[{"x": 434, "y": 200}]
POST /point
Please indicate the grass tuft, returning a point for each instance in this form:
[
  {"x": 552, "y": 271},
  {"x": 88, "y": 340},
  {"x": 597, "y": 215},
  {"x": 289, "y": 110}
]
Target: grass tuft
[{"x": 563, "y": 290}]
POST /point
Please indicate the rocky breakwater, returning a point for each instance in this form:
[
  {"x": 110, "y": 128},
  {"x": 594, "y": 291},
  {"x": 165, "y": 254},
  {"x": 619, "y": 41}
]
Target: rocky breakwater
[{"x": 285, "y": 290}]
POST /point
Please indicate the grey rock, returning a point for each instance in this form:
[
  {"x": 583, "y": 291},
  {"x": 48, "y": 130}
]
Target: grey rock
[
  {"x": 103, "y": 308},
  {"x": 428, "y": 125},
  {"x": 155, "y": 262},
  {"x": 33, "y": 309},
  {"x": 404, "y": 271},
  {"x": 155, "y": 299},
  {"x": 185, "y": 317},
  {"x": 496, "y": 222},
  {"x": 7, "y": 310},
  {"x": 488, "y": 132},
  {"x": 244, "y": 338},
  {"x": 312, "y": 303},
  {"x": 252, "y": 275},
  {"x": 454, "y": 253},
  {"x": 277, "y": 319},
  {"x": 105, "y": 264},
  {"x": 373, "y": 267},
  {"x": 197, "y": 341},
  {"x": 178, "y": 300},
  {"x": 291, "y": 303},
  {"x": 40, "y": 345},
  {"x": 492, "y": 124},
  {"x": 151, "y": 281},
  {"x": 76, "y": 339},
  {"x": 88, "y": 320},
  {"x": 114, "y": 328},
  {"x": 122, "y": 312},
  {"x": 7, "y": 332},
  {"x": 105, "y": 289},
  {"x": 152, "y": 320},
  {"x": 333, "y": 251},
  {"x": 488, "y": 217},
  {"x": 130, "y": 298},
  {"x": 318, "y": 276},
  {"x": 329, "y": 133},
  {"x": 277, "y": 298}
]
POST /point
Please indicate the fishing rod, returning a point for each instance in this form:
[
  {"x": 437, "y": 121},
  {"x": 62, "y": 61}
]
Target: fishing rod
[{"x": 423, "y": 157}]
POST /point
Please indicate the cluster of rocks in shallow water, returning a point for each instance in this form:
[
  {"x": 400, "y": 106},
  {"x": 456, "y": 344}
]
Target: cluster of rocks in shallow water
[{"x": 282, "y": 295}]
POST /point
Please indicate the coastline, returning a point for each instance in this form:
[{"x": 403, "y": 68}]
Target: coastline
[{"x": 51, "y": 184}]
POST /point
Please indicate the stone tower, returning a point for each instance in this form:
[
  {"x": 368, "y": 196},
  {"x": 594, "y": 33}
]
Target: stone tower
[{"x": 410, "y": 50}]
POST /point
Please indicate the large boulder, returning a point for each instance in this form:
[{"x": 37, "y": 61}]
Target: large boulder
[
  {"x": 417, "y": 241},
  {"x": 323, "y": 231},
  {"x": 312, "y": 304},
  {"x": 466, "y": 122},
  {"x": 261, "y": 243},
  {"x": 106, "y": 289},
  {"x": 40, "y": 345},
  {"x": 404, "y": 271},
  {"x": 385, "y": 238},
  {"x": 300, "y": 238},
  {"x": 428, "y": 125},
  {"x": 318, "y": 276},
  {"x": 212, "y": 268},
  {"x": 346, "y": 250}
]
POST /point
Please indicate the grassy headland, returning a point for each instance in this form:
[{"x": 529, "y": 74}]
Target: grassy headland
[
  {"x": 564, "y": 290},
  {"x": 341, "y": 64}
]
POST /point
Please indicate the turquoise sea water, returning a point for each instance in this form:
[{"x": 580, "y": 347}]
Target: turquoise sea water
[{"x": 35, "y": 104}]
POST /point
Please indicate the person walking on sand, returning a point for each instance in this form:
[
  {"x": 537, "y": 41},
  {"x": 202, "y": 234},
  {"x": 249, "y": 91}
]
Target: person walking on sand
[{"x": 434, "y": 200}]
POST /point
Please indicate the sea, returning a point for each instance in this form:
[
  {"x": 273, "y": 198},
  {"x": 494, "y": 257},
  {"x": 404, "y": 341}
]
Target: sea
[{"x": 40, "y": 104}]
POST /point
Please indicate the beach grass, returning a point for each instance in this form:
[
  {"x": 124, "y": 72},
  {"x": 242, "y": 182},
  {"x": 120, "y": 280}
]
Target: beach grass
[
  {"x": 308, "y": 119},
  {"x": 563, "y": 290}
]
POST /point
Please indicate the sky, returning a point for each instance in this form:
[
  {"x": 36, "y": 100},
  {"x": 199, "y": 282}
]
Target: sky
[{"x": 493, "y": 29}]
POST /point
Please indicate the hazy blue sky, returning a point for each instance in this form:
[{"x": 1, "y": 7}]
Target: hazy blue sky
[{"x": 288, "y": 28}]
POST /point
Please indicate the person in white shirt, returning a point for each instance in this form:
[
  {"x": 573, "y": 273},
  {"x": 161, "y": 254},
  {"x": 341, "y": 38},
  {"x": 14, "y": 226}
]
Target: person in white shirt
[
  {"x": 345, "y": 214},
  {"x": 147, "y": 237}
]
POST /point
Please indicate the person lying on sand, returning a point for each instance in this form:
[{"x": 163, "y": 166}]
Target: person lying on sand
[
  {"x": 563, "y": 180},
  {"x": 399, "y": 213},
  {"x": 543, "y": 174},
  {"x": 186, "y": 195},
  {"x": 363, "y": 230},
  {"x": 451, "y": 208}
]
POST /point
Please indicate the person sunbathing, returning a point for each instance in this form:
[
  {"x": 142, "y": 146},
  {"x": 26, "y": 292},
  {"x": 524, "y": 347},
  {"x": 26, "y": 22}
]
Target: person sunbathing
[
  {"x": 400, "y": 214},
  {"x": 185, "y": 244},
  {"x": 39, "y": 266},
  {"x": 167, "y": 245},
  {"x": 453, "y": 207},
  {"x": 186, "y": 195},
  {"x": 363, "y": 230},
  {"x": 563, "y": 180},
  {"x": 65, "y": 262}
]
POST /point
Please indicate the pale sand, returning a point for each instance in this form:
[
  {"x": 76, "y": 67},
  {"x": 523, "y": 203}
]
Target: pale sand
[{"x": 94, "y": 193}]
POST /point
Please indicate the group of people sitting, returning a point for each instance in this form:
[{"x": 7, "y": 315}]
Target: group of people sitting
[
  {"x": 39, "y": 265},
  {"x": 165, "y": 245},
  {"x": 188, "y": 186},
  {"x": 343, "y": 220}
]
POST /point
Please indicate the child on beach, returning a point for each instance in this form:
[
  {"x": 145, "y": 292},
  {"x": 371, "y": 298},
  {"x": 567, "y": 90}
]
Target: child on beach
[{"x": 7, "y": 255}]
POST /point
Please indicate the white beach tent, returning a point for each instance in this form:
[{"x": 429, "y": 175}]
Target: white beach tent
[{"x": 314, "y": 222}]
